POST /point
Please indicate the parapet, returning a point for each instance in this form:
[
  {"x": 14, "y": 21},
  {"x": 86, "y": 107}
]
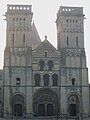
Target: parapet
[
  {"x": 66, "y": 10},
  {"x": 19, "y": 9}
]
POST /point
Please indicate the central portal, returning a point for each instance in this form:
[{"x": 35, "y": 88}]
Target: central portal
[
  {"x": 45, "y": 103},
  {"x": 45, "y": 109},
  {"x": 41, "y": 109},
  {"x": 49, "y": 109}
]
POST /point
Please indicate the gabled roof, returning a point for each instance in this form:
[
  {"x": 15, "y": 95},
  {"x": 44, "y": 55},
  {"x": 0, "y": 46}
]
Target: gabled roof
[
  {"x": 46, "y": 46},
  {"x": 35, "y": 37}
]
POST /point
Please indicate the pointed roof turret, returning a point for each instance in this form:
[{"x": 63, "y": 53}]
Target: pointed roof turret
[{"x": 35, "y": 37}]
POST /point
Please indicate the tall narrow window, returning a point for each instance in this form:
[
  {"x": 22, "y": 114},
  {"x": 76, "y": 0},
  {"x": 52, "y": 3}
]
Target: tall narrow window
[
  {"x": 45, "y": 54},
  {"x": 42, "y": 65},
  {"x": 37, "y": 78},
  {"x": 23, "y": 39},
  {"x": 17, "y": 81},
  {"x": 50, "y": 65},
  {"x": 73, "y": 81},
  {"x": 76, "y": 21},
  {"x": 13, "y": 39},
  {"x": 55, "y": 79},
  {"x": 24, "y": 19},
  {"x": 76, "y": 41},
  {"x": 67, "y": 41},
  {"x": 46, "y": 79},
  {"x": 66, "y": 20}
]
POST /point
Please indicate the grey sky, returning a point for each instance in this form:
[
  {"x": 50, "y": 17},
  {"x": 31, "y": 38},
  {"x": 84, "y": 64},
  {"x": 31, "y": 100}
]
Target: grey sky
[{"x": 44, "y": 18}]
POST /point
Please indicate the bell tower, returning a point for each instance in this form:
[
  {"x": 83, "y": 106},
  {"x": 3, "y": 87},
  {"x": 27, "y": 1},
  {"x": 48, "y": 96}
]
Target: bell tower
[
  {"x": 19, "y": 18},
  {"x": 18, "y": 59},
  {"x": 73, "y": 68},
  {"x": 70, "y": 27}
]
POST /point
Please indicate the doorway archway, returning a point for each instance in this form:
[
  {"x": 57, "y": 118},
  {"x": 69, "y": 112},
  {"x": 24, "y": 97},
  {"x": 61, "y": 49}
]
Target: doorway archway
[
  {"x": 17, "y": 104},
  {"x": 41, "y": 109},
  {"x": 45, "y": 103},
  {"x": 73, "y": 105},
  {"x": 50, "y": 109},
  {"x": 17, "y": 110}
]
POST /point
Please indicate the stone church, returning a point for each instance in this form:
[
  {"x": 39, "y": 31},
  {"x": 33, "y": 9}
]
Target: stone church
[{"x": 37, "y": 78}]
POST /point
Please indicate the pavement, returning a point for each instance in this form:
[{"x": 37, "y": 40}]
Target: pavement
[{"x": 44, "y": 118}]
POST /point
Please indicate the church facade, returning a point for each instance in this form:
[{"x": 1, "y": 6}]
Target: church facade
[{"x": 39, "y": 79}]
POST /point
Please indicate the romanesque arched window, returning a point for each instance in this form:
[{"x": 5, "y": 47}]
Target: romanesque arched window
[
  {"x": 73, "y": 81},
  {"x": 45, "y": 53},
  {"x": 23, "y": 39},
  {"x": 42, "y": 65},
  {"x": 50, "y": 65},
  {"x": 18, "y": 81},
  {"x": 67, "y": 41},
  {"x": 37, "y": 78},
  {"x": 13, "y": 39},
  {"x": 76, "y": 41},
  {"x": 46, "y": 79},
  {"x": 55, "y": 79},
  {"x": 24, "y": 19}
]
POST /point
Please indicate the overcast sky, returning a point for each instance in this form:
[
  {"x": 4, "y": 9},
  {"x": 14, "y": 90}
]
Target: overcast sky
[{"x": 44, "y": 18}]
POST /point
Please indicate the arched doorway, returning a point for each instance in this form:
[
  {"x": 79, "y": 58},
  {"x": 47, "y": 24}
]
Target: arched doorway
[
  {"x": 41, "y": 109},
  {"x": 73, "y": 105},
  {"x": 45, "y": 109},
  {"x": 50, "y": 109},
  {"x": 45, "y": 103},
  {"x": 17, "y": 104},
  {"x": 17, "y": 110}
]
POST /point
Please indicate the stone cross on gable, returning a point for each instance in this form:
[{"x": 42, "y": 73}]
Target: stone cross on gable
[{"x": 45, "y": 37}]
